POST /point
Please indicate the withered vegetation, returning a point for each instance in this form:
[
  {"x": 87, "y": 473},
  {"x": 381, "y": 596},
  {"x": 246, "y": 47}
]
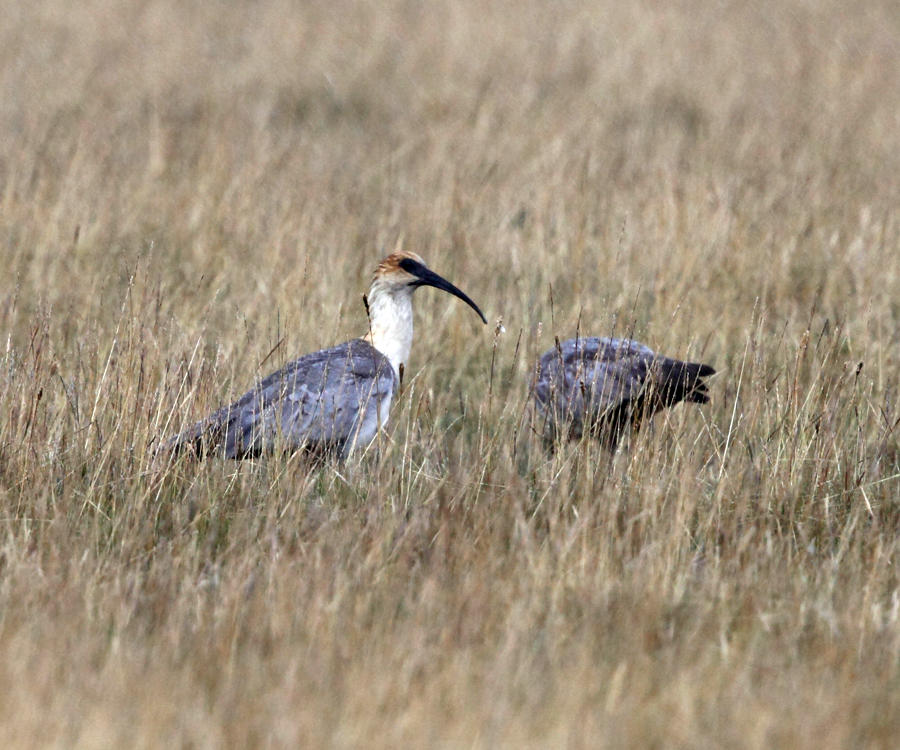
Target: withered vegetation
[{"x": 192, "y": 193}]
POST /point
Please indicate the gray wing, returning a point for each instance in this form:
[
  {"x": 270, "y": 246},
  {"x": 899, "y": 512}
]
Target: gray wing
[
  {"x": 585, "y": 378},
  {"x": 334, "y": 398}
]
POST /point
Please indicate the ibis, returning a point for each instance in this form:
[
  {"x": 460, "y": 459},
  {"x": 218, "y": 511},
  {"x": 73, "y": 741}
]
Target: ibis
[
  {"x": 332, "y": 401},
  {"x": 602, "y": 386}
]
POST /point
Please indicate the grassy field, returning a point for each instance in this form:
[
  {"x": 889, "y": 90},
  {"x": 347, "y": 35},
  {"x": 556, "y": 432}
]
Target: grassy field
[{"x": 193, "y": 193}]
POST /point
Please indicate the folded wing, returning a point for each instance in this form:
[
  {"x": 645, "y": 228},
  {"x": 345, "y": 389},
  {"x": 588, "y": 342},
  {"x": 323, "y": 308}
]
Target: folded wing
[
  {"x": 603, "y": 384},
  {"x": 333, "y": 400}
]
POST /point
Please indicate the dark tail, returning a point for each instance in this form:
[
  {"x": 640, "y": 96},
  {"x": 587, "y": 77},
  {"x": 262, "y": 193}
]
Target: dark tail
[
  {"x": 683, "y": 381},
  {"x": 190, "y": 441},
  {"x": 200, "y": 440}
]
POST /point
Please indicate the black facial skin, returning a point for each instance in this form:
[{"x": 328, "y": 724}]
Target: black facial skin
[{"x": 427, "y": 277}]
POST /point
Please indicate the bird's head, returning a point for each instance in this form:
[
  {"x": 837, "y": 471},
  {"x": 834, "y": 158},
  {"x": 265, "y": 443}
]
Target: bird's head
[{"x": 402, "y": 272}]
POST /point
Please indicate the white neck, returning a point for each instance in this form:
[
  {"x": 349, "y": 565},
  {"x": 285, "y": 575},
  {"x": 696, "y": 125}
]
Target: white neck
[{"x": 391, "y": 322}]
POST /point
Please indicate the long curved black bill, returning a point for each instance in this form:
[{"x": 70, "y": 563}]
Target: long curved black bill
[{"x": 427, "y": 277}]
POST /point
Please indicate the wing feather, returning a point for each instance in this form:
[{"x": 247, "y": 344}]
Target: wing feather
[
  {"x": 603, "y": 384},
  {"x": 584, "y": 378},
  {"x": 321, "y": 400}
]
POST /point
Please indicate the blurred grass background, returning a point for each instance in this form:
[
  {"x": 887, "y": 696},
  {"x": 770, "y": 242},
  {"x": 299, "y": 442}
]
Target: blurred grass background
[{"x": 192, "y": 193}]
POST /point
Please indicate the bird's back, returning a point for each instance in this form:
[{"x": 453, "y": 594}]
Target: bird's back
[
  {"x": 602, "y": 384},
  {"x": 333, "y": 399}
]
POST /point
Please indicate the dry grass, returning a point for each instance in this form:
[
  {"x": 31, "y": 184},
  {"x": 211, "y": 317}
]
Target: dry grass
[{"x": 185, "y": 185}]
